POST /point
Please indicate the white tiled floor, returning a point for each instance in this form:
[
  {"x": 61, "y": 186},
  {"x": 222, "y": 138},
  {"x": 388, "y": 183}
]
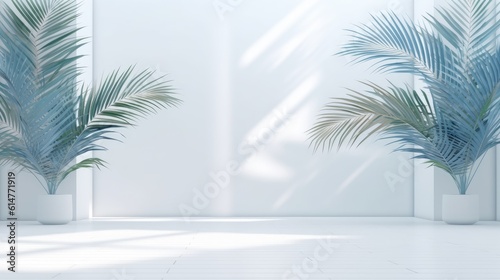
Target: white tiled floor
[{"x": 254, "y": 248}]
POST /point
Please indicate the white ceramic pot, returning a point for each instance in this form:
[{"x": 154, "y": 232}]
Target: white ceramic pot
[
  {"x": 460, "y": 209},
  {"x": 55, "y": 209}
]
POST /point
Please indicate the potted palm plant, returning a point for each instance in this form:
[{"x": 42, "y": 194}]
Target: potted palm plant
[
  {"x": 47, "y": 118},
  {"x": 453, "y": 121}
]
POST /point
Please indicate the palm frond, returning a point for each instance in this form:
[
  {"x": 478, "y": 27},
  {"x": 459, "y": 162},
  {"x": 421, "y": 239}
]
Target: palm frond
[
  {"x": 123, "y": 97},
  {"x": 116, "y": 103},
  {"x": 470, "y": 26},
  {"x": 361, "y": 115},
  {"x": 45, "y": 123},
  {"x": 457, "y": 120},
  {"x": 398, "y": 45},
  {"x": 86, "y": 163},
  {"x": 50, "y": 28}
]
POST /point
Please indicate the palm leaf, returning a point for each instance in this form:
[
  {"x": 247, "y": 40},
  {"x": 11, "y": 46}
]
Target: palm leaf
[
  {"x": 398, "y": 45},
  {"x": 359, "y": 116},
  {"x": 456, "y": 120},
  {"x": 45, "y": 123},
  {"x": 469, "y": 26}
]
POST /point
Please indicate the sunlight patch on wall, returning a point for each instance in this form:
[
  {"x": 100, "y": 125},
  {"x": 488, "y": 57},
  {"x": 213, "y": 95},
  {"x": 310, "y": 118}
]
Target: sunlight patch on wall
[
  {"x": 266, "y": 41},
  {"x": 266, "y": 167},
  {"x": 294, "y": 100},
  {"x": 311, "y": 33}
]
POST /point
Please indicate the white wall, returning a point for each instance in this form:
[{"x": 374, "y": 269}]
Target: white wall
[
  {"x": 253, "y": 76},
  {"x": 84, "y": 180}
]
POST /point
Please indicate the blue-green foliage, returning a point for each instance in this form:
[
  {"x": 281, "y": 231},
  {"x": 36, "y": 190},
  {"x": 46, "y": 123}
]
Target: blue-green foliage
[
  {"x": 455, "y": 120},
  {"x": 47, "y": 118}
]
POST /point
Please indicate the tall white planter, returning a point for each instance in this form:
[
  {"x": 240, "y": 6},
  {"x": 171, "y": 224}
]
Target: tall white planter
[
  {"x": 460, "y": 209},
  {"x": 55, "y": 209}
]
